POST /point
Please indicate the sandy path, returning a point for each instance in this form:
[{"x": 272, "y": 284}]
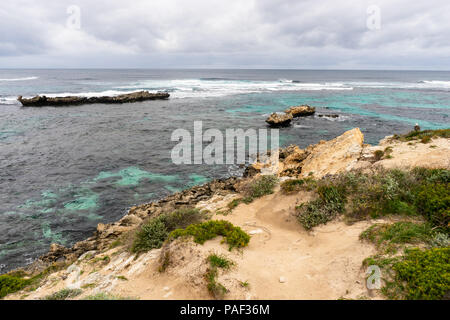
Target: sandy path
[{"x": 323, "y": 264}]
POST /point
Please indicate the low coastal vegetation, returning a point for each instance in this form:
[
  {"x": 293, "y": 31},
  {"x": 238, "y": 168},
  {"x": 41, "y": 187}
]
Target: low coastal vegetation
[
  {"x": 234, "y": 236},
  {"x": 156, "y": 230},
  {"x": 419, "y": 274},
  {"x": 215, "y": 288},
  {"x": 382, "y": 154},
  {"x": 106, "y": 296},
  {"x": 296, "y": 185},
  {"x": 424, "y": 136},
  {"x": 20, "y": 280},
  {"x": 414, "y": 273},
  {"x": 390, "y": 235},
  {"x": 261, "y": 186},
  {"x": 358, "y": 195},
  {"x": 182, "y": 223},
  {"x": 10, "y": 284},
  {"x": 64, "y": 294}
]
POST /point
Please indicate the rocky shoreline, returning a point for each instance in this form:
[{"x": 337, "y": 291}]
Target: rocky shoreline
[
  {"x": 41, "y": 101},
  {"x": 106, "y": 234},
  {"x": 344, "y": 153},
  {"x": 105, "y": 262}
]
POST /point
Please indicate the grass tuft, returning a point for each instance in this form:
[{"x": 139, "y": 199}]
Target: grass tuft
[{"x": 215, "y": 288}]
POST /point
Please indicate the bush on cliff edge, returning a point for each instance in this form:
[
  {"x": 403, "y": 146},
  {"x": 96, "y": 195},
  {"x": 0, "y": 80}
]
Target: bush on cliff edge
[{"x": 153, "y": 233}]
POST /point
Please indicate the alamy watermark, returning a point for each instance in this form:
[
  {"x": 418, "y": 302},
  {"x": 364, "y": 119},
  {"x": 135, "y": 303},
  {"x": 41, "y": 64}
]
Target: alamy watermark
[
  {"x": 373, "y": 21},
  {"x": 235, "y": 147},
  {"x": 73, "y": 21},
  {"x": 374, "y": 277}
]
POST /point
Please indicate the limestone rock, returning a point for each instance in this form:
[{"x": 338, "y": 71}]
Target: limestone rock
[
  {"x": 301, "y": 111},
  {"x": 279, "y": 120},
  {"x": 334, "y": 156}
]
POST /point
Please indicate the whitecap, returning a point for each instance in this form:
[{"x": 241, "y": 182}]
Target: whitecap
[{"x": 20, "y": 79}]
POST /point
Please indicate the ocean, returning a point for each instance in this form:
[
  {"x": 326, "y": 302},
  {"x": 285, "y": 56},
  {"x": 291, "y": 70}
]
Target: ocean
[{"x": 64, "y": 170}]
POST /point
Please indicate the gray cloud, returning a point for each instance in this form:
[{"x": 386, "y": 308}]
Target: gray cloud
[{"x": 232, "y": 33}]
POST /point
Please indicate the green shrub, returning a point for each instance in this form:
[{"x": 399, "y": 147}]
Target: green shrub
[
  {"x": 378, "y": 155},
  {"x": 424, "y": 274},
  {"x": 433, "y": 201},
  {"x": 181, "y": 218},
  {"x": 64, "y": 294},
  {"x": 10, "y": 284},
  {"x": 289, "y": 186},
  {"x": 151, "y": 236},
  {"x": 235, "y": 237},
  {"x": 261, "y": 186},
  {"x": 331, "y": 202},
  {"x": 153, "y": 233}
]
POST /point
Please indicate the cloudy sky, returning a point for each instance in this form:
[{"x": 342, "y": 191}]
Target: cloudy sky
[{"x": 322, "y": 34}]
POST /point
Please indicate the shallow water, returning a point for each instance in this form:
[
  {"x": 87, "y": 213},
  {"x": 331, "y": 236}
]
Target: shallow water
[{"x": 64, "y": 170}]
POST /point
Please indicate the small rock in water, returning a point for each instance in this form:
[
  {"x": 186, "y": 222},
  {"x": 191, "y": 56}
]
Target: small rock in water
[{"x": 279, "y": 120}]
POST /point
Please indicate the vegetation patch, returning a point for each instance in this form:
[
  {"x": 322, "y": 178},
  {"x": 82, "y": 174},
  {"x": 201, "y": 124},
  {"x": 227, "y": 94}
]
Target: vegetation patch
[
  {"x": 424, "y": 274},
  {"x": 220, "y": 261},
  {"x": 330, "y": 203},
  {"x": 417, "y": 275},
  {"x": 382, "y": 154},
  {"x": 154, "y": 232},
  {"x": 359, "y": 195},
  {"x": 397, "y": 233},
  {"x": 424, "y": 136},
  {"x": 234, "y": 236},
  {"x": 105, "y": 296},
  {"x": 290, "y": 186},
  {"x": 19, "y": 280},
  {"x": 215, "y": 288},
  {"x": 261, "y": 186},
  {"x": 10, "y": 284},
  {"x": 64, "y": 294}
]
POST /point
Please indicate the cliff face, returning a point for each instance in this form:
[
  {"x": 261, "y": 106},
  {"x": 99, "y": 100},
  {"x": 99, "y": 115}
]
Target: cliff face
[{"x": 282, "y": 261}]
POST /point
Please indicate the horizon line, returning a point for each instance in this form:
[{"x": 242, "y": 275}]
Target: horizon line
[{"x": 216, "y": 68}]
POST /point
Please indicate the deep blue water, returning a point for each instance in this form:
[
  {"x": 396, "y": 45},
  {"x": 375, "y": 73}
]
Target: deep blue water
[{"x": 64, "y": 170}]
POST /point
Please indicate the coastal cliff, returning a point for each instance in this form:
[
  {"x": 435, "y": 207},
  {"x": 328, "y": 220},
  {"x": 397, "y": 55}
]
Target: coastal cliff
[{"x": 289, "y": 255}]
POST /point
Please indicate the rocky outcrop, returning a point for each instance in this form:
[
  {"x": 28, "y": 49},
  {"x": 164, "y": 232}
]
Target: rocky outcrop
[
  {"x": 41, "y": 101},
  {"x": 277, "y": 120},
  {"x": 334, "y": 156},
  {"x": 301, "y": 111},
  {"x": 326, "y": 157}
]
